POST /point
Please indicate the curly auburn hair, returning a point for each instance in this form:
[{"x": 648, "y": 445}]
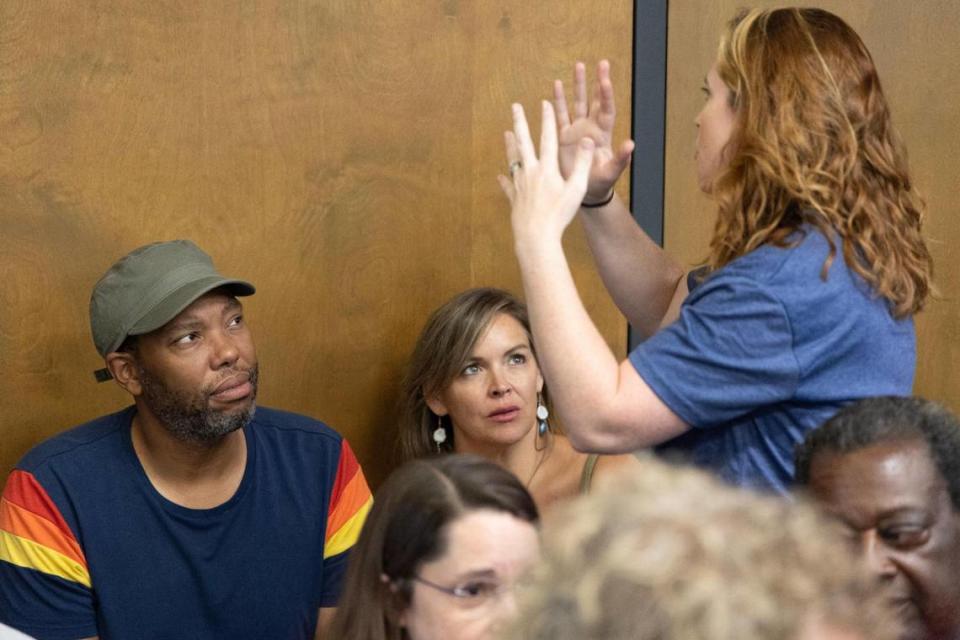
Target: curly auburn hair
[{"x": 814, "y": 145}]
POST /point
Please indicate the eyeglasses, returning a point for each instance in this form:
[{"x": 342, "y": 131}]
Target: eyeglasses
[{"x": 476, "y": 591}]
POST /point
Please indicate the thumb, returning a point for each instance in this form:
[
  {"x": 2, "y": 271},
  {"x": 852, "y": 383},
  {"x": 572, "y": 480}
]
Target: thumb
[{"x": 623, "y": 155}]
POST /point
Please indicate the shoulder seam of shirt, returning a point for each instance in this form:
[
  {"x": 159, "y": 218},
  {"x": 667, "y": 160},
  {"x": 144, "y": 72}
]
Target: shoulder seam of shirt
[
  {"x": 786, "y": 314},
  {"x": 788, "y": 255},
  {"x": 327, "y": 432},
  {"x": 793, "y": 334},
  {"x": 45, "y": 460},
  {"x": 770, "y": 292}
]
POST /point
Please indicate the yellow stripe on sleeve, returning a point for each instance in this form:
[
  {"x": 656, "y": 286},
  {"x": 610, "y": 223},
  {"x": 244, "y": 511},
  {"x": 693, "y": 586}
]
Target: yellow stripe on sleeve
[
  {"x": 347, "y": 534},
  {"x": 30, "y": 555},
  {"x": 26, "y": 524}
]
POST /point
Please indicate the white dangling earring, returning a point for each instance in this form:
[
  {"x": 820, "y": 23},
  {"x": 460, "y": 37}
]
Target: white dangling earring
[
  {"x": 439, "y": 434},
  {"x": 542, "y": 414}
]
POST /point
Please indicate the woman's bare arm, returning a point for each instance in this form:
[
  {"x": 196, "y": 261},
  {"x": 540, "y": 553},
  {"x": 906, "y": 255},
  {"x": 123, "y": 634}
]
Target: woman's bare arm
[
  {"x": 606, "y": 405},
  {"x": 640, "y": 276}
]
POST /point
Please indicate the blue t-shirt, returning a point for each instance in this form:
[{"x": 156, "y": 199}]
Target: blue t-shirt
[
  {"x": 89, "y": 547},
  {"x": 765, "y": 350}
]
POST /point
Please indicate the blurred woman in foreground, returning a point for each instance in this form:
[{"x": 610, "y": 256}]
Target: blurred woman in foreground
[
  {"x": 439, "y": 554},
  {"x": 669, "y": 553}
]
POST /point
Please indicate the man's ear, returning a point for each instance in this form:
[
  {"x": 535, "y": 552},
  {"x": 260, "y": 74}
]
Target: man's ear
[{"x": 123, "y": 367}]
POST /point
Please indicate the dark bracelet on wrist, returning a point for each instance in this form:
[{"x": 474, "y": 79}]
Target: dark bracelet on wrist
[{"x": 597, "y": 205}]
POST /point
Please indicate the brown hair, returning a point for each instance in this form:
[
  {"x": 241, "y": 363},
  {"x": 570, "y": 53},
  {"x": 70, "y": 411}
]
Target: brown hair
[
  {"x": 407, "y": 526},
  {"x": 441, "y": 351},
  {"x": 665, "y": 552},
  {"x": 814, "y": 144}
]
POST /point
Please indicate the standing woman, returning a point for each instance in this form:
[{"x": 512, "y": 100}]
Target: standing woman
[
  {"x": 816, "y": 266},
  {"x": 473, "y": 386}
]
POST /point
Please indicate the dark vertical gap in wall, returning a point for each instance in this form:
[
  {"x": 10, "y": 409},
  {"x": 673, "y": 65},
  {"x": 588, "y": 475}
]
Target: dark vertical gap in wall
[{"x": 649, "y": 120}]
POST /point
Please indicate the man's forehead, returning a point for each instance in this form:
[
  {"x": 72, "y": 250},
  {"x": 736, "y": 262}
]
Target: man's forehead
[{"x": 883, "y": 477}]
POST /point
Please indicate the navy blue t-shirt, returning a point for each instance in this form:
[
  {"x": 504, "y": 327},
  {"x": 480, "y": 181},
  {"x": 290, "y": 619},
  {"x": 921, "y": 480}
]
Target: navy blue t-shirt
[
  {"x": 765, "y": 350},
  {"x": 89, "y": 547}
]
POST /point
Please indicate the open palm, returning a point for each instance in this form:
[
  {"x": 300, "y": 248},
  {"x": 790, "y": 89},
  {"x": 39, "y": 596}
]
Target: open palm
[
  {"x": 542, "y": 201},
  {"x": 592, "y": 119}
]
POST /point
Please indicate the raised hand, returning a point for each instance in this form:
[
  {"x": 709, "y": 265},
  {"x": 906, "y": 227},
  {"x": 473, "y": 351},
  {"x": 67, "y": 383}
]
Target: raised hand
[
  {"x": 593, "y": 120},
  {"x": 543, "y": 202}
]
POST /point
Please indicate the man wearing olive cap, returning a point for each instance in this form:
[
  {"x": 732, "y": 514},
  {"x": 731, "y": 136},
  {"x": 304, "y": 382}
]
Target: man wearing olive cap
[{"x": 192, "y": 513}]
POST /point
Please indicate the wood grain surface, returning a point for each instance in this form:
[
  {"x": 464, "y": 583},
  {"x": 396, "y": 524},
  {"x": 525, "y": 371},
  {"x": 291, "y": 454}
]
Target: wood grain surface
[
  {"x": 917, "y": 53},
  {"x": 340, "y": 155}
]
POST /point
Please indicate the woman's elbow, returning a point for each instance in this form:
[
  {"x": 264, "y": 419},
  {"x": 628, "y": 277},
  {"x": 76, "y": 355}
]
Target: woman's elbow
[{"x": 598, "y": 439}]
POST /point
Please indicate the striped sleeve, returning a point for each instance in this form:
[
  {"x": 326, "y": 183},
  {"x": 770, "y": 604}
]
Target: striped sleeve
[
  {"x": 45, "y": 586},
  {"x": 33, "y": 534},
  {"x": 350, "y": 502}
]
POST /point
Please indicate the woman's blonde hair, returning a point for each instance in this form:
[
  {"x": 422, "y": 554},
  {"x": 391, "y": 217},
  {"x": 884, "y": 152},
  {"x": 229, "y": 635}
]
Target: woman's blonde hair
[
  {"x": 664, "y": 553},
  {"x": 813, "y": 144}
]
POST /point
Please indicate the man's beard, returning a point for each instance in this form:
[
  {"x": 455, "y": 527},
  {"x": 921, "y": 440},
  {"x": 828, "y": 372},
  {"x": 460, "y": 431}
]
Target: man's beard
[{"x": 188, "y": 416}]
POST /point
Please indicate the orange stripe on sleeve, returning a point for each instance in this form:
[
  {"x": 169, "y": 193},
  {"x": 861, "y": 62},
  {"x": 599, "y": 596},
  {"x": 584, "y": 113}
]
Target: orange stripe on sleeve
[
  {"x": 346, "y": 536},
  {"x": 349, "y": 503},
  {"x": 27, "y": 525},
  {"x": 353, "y": 497},
  {"x": 33, "y": 533},
  {"x": 24, "y": 491}
]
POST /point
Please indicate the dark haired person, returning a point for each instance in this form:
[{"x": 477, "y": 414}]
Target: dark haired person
[
  {"x": 817, "y": 263},
  {"x": 889, "y": 469},
  {"x": 192, "y": 513},
  {"x": 445, "y": 543}
]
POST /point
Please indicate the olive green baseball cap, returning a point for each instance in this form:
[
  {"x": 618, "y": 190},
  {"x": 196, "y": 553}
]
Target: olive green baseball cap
[{"x": 148, "y": 287}]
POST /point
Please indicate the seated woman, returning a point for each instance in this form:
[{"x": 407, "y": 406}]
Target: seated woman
[
  {"x": 473, "y": 386},
  {"x": 439, "y": 554}
]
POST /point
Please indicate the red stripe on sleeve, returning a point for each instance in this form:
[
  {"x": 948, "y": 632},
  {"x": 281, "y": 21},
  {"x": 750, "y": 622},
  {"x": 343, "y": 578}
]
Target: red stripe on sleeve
[
  {"x": 346, "y": 469},
  {"x": 24, "y": 491}
]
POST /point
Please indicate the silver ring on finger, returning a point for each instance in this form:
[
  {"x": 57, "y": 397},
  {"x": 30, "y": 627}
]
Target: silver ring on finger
[{"x": 515, "y": 166}]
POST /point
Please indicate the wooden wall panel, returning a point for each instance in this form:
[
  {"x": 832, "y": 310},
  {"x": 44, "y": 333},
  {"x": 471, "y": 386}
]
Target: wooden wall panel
[
  {"x": 516, "y": 66},
  {"x": 915, "y": 48},
  {"x": 341, "y": 155}
]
